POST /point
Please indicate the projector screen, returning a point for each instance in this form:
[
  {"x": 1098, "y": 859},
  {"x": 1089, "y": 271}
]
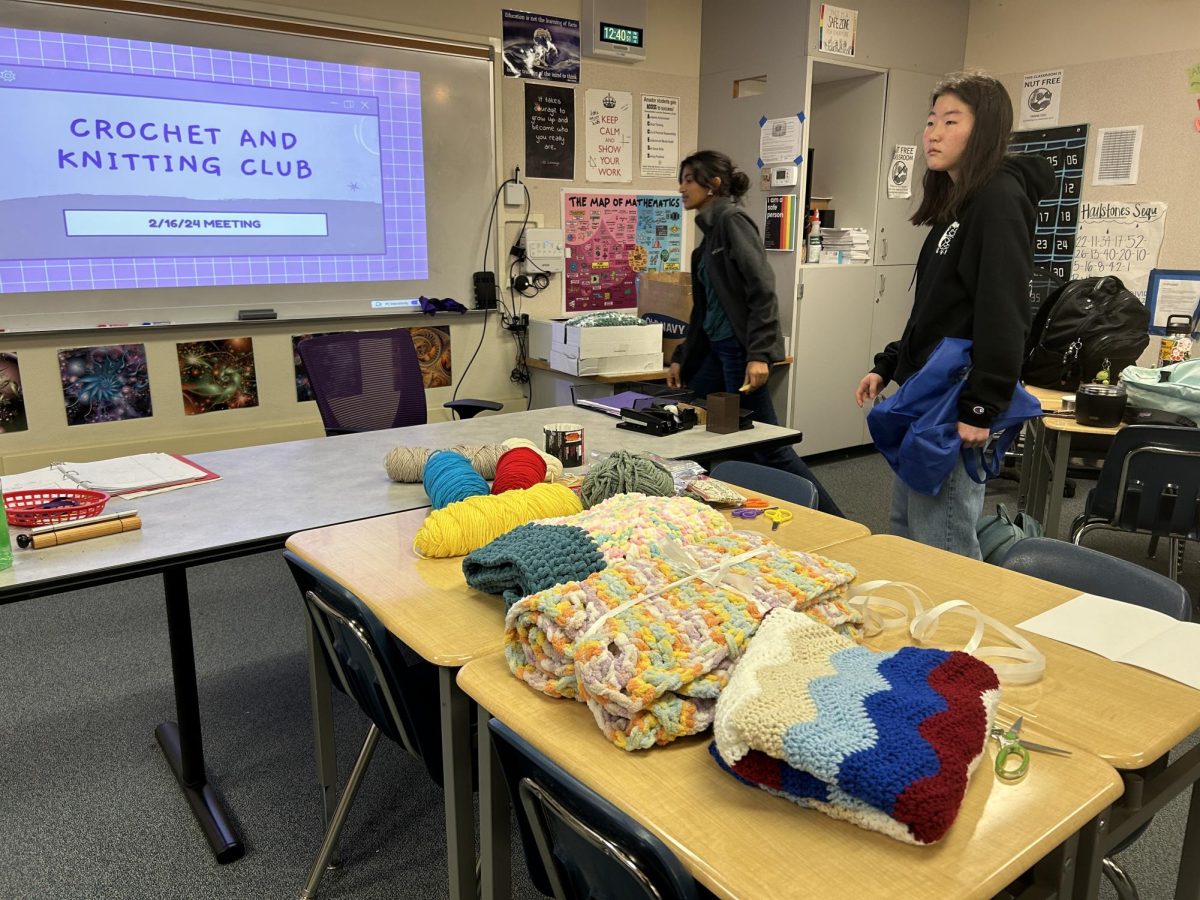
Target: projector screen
[{"x": 154, "y": 180}]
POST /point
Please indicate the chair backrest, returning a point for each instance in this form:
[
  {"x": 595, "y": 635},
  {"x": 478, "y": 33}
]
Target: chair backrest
[
  {"x": 1150, "y": 481},
  {"x": 577, "y": 844},
  {"x": 398, "y": 694},
  {"x": 754, "y": 477},
  {"x": 1092, "y": 572},
  {"x": 365, "y": 380}
]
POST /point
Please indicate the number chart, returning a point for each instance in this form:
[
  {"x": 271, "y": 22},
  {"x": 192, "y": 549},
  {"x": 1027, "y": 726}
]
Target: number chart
[{"x": 1058, "y": 214}]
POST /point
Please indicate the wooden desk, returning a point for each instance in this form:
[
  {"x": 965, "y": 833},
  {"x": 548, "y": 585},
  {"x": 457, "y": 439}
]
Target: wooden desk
[
  {"x": 1127, "y": 716},
  {"x": 742, "y": 842},
  {"x": 427, "y": 605},
  {"x": 1044, "y": 469}
]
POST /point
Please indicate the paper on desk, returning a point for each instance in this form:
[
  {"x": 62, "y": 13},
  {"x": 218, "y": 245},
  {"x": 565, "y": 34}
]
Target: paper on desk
[
  {"x": 1125, "y": 633},
  {"x": 133, "y": 476}
]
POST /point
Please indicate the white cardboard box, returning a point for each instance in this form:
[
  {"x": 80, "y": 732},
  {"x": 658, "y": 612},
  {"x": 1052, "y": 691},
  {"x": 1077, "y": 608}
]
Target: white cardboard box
[
  {"x": 564, "y": 358},
  {"x": 611, "y": 340}
]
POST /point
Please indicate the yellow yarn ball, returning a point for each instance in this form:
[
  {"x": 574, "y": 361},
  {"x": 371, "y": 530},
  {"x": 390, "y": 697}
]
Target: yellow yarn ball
[{"x": 467, "y": 525}]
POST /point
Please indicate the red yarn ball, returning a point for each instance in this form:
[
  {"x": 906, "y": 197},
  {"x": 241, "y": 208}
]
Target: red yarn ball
[{"x": 520, "y": 467}]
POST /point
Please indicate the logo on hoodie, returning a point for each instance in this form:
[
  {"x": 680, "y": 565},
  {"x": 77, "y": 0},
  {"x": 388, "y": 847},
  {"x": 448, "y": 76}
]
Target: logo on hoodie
[{"x": 943, "y": 246}]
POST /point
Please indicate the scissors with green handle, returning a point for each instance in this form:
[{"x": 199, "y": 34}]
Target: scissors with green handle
[{"x": 1012, "y": 747}]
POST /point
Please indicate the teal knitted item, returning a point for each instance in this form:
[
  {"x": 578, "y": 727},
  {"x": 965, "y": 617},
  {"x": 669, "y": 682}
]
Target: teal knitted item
[{"x": 532, "y": 558}]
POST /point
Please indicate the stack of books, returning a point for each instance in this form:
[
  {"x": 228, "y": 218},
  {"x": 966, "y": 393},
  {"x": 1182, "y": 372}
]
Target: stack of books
[{"x": 845, "y": 245}]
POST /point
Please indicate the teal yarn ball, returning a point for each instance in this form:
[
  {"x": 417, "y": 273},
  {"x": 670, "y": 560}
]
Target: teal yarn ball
[
  {"x": 625, "y": 473},
  {"x": 449, "y": 477}
]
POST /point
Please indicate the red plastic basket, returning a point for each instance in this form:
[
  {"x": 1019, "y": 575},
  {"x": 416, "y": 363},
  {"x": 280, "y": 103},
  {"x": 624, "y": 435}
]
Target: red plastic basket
[{"x": 25, "y": 509}]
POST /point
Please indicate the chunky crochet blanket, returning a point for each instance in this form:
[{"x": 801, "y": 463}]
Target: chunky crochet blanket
[
  {"x": 884, "y": 740},
  {"x": 649, "y": 641},
  {"x": 565, "y": 549}
]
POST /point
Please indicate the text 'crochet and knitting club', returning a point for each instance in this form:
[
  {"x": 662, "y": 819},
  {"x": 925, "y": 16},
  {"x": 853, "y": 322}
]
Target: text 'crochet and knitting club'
[{"x": 884, "y": 740}]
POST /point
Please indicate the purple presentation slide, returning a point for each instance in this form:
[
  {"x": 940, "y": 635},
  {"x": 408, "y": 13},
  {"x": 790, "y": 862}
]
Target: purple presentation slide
[{"x": 144, "y": 165}]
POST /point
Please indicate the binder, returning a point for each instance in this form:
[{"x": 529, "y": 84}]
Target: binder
[{"x": 125, "y": 476}]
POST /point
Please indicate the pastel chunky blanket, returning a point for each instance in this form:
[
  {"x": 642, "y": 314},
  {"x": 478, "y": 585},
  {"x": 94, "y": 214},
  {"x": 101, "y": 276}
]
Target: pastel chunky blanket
[
  {"x": 884, "y": 740},
  {"x": 539, "y": 555},
  {"x": 649, "y": 641}
]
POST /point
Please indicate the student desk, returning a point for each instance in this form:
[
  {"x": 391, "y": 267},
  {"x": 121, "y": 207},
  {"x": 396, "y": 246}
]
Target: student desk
[
  {"x": 743, "y": 842},
  {"x": 1044, "y": 467},
  {"x": 265, "y": 494},
  {"x": 1127, "y": 716},
  {"x": 427, "y": 605}
]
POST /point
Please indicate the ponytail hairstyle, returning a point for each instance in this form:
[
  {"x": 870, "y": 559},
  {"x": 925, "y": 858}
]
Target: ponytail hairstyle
[
  {"x": 709, "y": 165},
  {"x": 943, "y": 198}
]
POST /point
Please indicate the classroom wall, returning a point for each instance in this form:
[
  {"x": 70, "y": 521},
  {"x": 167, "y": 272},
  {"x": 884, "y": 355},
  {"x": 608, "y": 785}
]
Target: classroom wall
[
  {"x": 1124, "y": 64},
  {"x": 671, "y": 67}
]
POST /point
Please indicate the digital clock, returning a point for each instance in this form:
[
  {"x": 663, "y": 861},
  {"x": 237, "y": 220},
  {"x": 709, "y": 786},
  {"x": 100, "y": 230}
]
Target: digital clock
[{"x": 620, "y": 34}]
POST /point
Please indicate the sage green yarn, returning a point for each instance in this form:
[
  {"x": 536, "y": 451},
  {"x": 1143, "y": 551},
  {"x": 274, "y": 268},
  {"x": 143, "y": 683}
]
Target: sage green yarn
[{"x": 625, "y": 473}]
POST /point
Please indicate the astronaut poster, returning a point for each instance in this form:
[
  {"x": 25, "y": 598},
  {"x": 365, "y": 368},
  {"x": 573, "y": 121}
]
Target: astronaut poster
[{"x": 541, "y": 47}]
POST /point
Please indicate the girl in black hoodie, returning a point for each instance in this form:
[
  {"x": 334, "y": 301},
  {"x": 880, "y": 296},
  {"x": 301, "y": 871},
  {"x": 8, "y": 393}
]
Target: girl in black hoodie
[{"x": 973, "y": 281}]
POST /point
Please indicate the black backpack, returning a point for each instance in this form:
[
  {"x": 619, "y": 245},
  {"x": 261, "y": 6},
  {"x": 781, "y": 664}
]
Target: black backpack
[{"x": 1085, "y": 326}]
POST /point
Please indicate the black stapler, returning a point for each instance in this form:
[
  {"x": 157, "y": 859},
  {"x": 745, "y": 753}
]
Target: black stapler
[{"x": 658, "y": 420}]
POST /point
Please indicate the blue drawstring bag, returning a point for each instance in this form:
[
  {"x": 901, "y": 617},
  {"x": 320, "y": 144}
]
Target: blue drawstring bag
[{"x": 916, "y": 429}]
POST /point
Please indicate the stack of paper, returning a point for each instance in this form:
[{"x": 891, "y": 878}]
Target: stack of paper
[{"x": 845, "y": 245}]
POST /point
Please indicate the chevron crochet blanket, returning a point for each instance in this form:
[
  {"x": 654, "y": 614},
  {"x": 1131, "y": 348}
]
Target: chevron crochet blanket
[
  {"x": 884, "y": 740},
  {"x": 649, "y": 641}
]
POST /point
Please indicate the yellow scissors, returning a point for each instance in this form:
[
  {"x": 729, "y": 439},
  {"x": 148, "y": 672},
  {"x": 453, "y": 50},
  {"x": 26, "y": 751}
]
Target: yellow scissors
[
  {"x": 777, "y": 516},
  {"x": 1013, "y": 747}
]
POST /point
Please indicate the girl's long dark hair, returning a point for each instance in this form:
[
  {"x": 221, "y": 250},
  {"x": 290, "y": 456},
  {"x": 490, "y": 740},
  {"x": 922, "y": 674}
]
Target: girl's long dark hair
[
  {"x": 942, "y": 198},
  {"x": 709, "y": 165}
]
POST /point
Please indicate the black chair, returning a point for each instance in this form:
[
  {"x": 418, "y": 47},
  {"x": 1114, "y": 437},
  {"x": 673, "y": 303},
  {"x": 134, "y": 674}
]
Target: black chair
[
  {"x": 1091, "y": 572},
  {"x": 577, "y": 844},
  {"x": 1149, "y": 484},
  {"x": 763, "y": 479},
  {"x": 396, "y": 689},
  {"x": 369, "y": 380}
]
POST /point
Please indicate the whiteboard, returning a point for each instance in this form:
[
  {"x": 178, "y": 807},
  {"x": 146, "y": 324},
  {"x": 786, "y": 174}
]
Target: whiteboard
[{"x": 180, "y": 170}]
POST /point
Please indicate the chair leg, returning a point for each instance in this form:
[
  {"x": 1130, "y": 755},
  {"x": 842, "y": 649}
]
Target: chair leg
[
  {"x": 339, "y": 815},
  {"x": 1175, "y": 566},
  {"x": 1122, "y": 884}
]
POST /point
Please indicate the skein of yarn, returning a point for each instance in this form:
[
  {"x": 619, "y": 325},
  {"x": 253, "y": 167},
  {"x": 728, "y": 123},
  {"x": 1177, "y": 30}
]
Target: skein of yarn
[
  {"x": 520, "y": 467},
  {"x": 470, "y": 524},
  {"x": 449, "y": 478},
  {"x": 623, "y": 473},
  {"x": 407, "y": 464},
  {"x": 483, "y": 457},
  {"x": 554, "y": 466}
]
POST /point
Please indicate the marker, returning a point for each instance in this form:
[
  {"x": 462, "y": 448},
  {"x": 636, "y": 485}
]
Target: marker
[
  {"x": 157, "y": 323},
  {"x": 113, "y": 325}
]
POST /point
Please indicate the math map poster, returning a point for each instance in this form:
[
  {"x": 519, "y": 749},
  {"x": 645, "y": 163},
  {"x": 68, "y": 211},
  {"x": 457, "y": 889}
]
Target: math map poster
[
  {"x": 105, "y": 384},
  {"x": 12, "y": 398},
  {"x": 611, "y": 237},
  {"x": 217, "y": 375}
]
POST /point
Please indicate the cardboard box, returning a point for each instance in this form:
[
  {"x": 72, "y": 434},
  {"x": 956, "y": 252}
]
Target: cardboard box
[
  {"x": 666, "y": 297},
  {"x": 610, "y": 340},
  {"x": 564, "y": 358},
  {"x": 541, "y": 338}
]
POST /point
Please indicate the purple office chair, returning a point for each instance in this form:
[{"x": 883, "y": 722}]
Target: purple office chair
[{"x": 370, "y": 380}]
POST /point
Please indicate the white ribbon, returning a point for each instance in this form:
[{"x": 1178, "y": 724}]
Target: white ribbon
[
  {"x": 711, "y": 575},
  {"x": 1027, "y": 663}
]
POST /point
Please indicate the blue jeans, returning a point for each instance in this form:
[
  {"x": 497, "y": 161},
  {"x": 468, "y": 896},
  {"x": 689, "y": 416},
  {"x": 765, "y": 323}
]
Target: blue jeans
[
  {"x": 946, "y": 521},
  {"x": 724, "y": 369}
]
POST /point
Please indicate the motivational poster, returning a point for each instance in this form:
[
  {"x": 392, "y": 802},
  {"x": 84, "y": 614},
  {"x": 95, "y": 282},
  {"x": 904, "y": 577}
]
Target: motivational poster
[
  {"x": 217, "y": 375},
  {"x": 838, "y": 30},
  {"x": 779, "y": 231},
  {"x": 611, "y": 237},
  {"x": 660, "y": 137},
  {"x": 549, "y": 131},
  {"x": 540, "y": 46},
  {"x": 105, "y": 384},
  {"x": 609, "y": 150}
]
